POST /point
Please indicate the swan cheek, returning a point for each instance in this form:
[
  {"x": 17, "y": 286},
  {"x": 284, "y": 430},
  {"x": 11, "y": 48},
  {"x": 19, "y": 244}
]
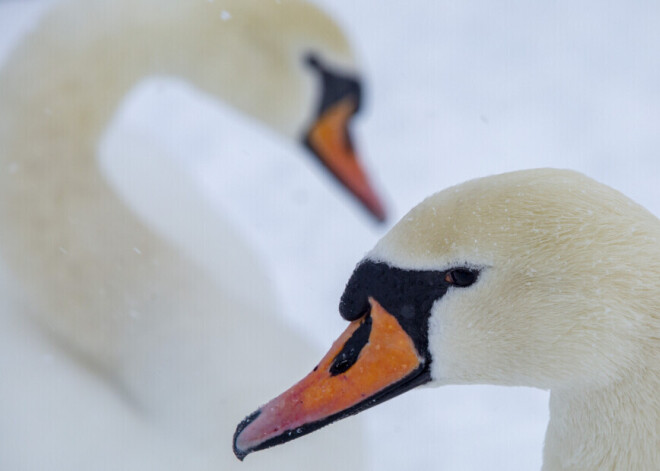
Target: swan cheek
[
  {"x": 464, "y": 348},
  {"x": 443, "y": 366},
  {"x": 372, "y": 361}
]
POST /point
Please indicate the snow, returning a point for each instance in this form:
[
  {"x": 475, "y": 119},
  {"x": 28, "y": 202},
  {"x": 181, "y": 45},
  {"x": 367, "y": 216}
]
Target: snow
[{"x": 456, "y": 90}]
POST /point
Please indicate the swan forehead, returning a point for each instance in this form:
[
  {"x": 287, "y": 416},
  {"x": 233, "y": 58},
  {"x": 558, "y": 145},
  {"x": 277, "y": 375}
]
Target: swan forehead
[
  {"x": 289, "y": 24},
  {"x": 532, "y": 214},
  {"x": 313, "y": 28},
  {"x": 253, "y": 56}
]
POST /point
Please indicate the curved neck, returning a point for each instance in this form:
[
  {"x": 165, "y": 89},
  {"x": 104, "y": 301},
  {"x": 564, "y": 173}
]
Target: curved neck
[
  {"x": 617, "y": 427},
  {"x": 81, "y": 253}
]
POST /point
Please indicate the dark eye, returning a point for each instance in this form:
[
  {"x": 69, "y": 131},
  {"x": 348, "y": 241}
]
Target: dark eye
[{"x": 461, "y": 277}]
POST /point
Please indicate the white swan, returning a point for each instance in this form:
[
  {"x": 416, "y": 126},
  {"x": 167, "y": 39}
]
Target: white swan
[
  {"x": 167, "y": 320},
  {"x": 541, "y": 278}
]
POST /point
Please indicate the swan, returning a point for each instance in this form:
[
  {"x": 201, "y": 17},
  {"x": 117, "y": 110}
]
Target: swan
[
  {"x": 541, "y": 278},
  {"x": 132, "y": 327}
]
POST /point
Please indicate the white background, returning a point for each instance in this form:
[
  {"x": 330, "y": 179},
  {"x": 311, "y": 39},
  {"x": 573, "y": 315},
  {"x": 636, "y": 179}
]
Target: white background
[{"x": 455, "y": 90}]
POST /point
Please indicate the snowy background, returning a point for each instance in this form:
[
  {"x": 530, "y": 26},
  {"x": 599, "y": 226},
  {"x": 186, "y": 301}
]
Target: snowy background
[{"x": 455, "y": 90}]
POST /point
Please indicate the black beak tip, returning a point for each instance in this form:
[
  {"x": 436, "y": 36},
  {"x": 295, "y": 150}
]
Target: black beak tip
[
  {"x": 241, "y": 454},
  {"x": 381, "y": 218}
]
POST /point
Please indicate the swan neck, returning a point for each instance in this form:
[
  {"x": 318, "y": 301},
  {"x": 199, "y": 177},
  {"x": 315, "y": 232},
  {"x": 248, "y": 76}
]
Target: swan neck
[
  {"x": 614, "y": 428},
  {"x": 58, "y": 215}
]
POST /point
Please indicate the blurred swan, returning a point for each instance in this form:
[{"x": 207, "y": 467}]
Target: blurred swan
[
  {"x": 127, "y": 326},
  {"x": 541, "y": 278}
]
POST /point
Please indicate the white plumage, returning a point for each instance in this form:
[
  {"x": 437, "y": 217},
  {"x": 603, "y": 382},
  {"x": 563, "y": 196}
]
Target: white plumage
[
  {"x": 138, "y": 327},
  {"x": 567, "y": 300}
]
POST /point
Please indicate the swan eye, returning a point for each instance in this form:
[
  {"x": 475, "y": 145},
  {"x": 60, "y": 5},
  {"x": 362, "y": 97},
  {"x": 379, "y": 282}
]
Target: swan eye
[{"x": 461, "y": 277}]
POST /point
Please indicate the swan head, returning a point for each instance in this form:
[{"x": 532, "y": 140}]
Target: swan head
[
  {"x": 285, "y": 63},
  {"x": 534, "y": 278}
]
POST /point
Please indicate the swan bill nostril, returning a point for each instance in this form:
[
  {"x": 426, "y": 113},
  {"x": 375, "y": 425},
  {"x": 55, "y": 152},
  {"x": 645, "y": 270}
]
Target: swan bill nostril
[{"x": 349, "y": 354}]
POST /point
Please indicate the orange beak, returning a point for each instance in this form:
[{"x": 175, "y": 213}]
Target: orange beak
[
  {"x": 329, "y": 140},
  {"x": 372, "y": 361}
]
